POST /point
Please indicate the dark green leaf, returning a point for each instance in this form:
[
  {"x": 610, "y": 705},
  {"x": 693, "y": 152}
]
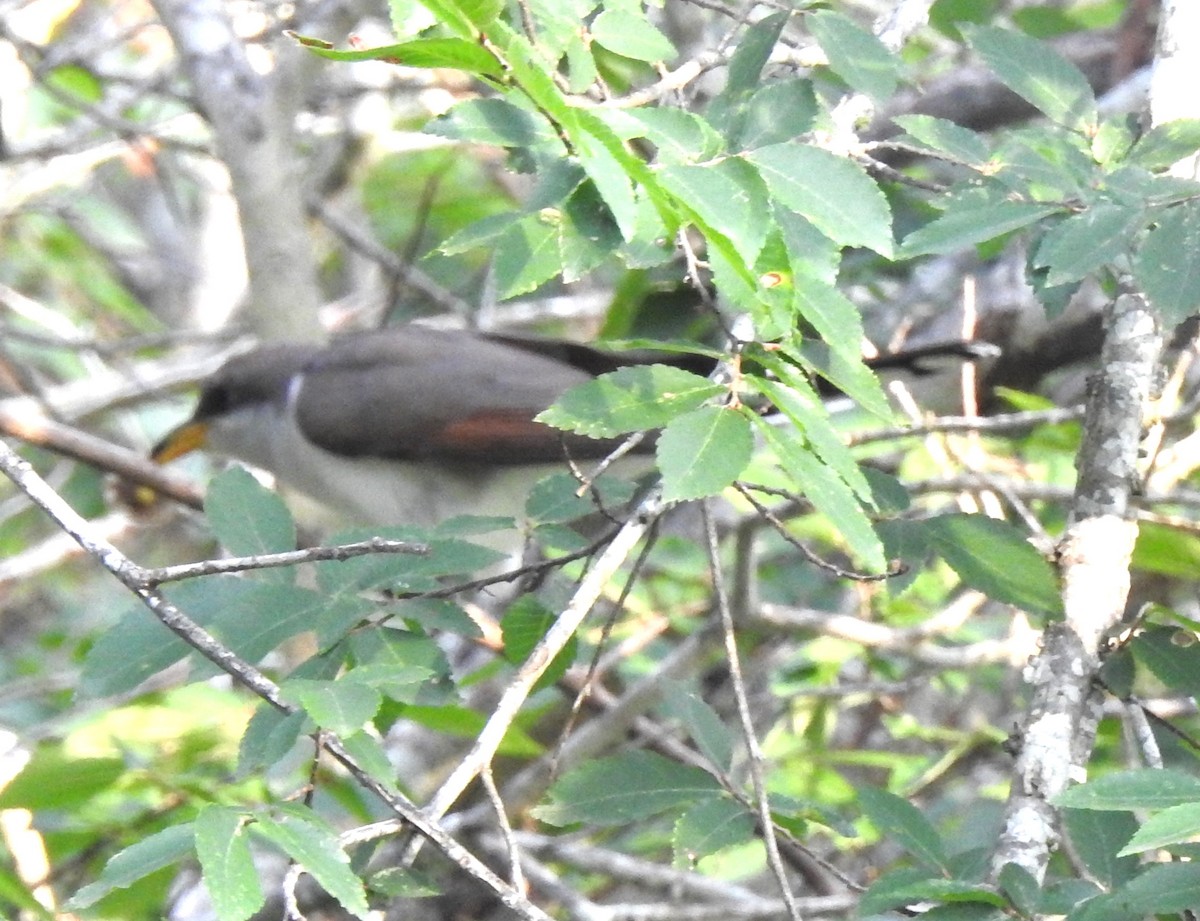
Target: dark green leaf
[
  {"x": 710, "y": 826},
  {"x": 679, "y": 136},
  {"x": 966, "y": 224},
  {"x": 1176, "y": 664},
  {"x": 1165, "y": 144},
  {"x": 995, "y": 558},
  {"x": 248, "y": 519},
  {"x": 753, "y": 52},
  {"x": 624, "y": 789},
  {"x": 946, "y": 137},
  {"x": 1021, "y": 887},
  {"x": 855, "y": 55},
  {"x": 1039, "y": 75},
  {"x": 523, "y": 626},
  {"x": 631, "y": 36},
  {"x": 1085, "y": 242},
  {"x": 1168, "y": 265},
  {"x": 1143, "y": 789},
  {"x": 631, "y": 399},
  {"x": 152, "y": 853},
  {"x": 229, "y": 872},
  {"x": 269, "y": 736},
  {"x": 1097, "y": 836},
  {"x": 835, "y": 193},
  {"x": 527, "y": 255},
  {"x": 900, "y": 821},
  {"x": 467, "y": 724},
  {"x": 1164, "y": 887},
  {"x": 778, "y": 111},
  {"x": 610, "y": 175},
  {"x": 313, "y": 845},
  {"x": 703, "y": 451}
]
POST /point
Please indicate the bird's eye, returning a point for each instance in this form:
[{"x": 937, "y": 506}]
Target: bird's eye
[{"x": 214, "y": 401}]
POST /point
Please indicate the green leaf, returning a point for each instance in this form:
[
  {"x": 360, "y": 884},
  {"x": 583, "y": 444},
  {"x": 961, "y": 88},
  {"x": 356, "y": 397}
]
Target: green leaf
[
  {"x": 835, "y": 193},
  {"x": 248, "y": 519},
  {"x": 702, "y": 723},
  {"x": 753, "y": 52},
  {"x": 966, "y": 224},
  {"x": 708, "y": 827},
  {"x": 527, "y": 255},
  {"x": 609, "y": 174},
  {"x": 625, "y": 788},
  {"x": 901, "y": 822},
  {"x": 1174, "y": 825},
  {"x": 228, "y": 866},
  {"x": 1165, "y": 144},
  {"x": 269, "y": 736},
  {"x": 309, "y": 842},
  {"x": 55, "y": 780},
  {"x": 728, "y": 196},
  {"x": 1039, "y": 75},
  {"x": 779, "y": 111},
  {"x": 1084, "y": 242},
  {"x": 946, "y": 137},
  {"x": 492, "y": 121},
  {"x": 137, "y": 861},
  {"x": 995, "y": 558},
  {"x": 1168, "y": 265},
  {"x": 1097, "y": 836},
  {"x": 1164, "y": 887},
  {"x": 1142, "y": 789},
  {"x": 629, "y": 400},
  {"x": 449, "y": 53},
  {"x": 1021, "y": 887},
  {"x": 341, "y": 706},
  {"x": 465, "y": 17},
  {"x": 829, "y": 495},
  {"x": 678, "y": 136},
  {"x": 523, "y": 626},
  {"x": 702, "y": 452},
  {"x": 855, "y": 55},
  {"x": 466, "y": 724},
  {"x": 631, "y": 36},
  {"x": 1176, "y": 664}
]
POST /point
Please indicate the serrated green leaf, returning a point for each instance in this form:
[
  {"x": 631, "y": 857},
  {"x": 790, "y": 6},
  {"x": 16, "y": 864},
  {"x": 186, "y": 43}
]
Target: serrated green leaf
[
  {"x": 855, "y": 55},
  {"x": 1165, "y": 144},
  {"x": 315, "y": 847},
  {"x": 829, "y": 495},
  {"x": 249, "y": 520},
  {"x": 708, "y": 827},
  {"x": 946, "y": 137},
  {"x": 227, "y": 864},
  {"x": 779, "y": 111},
  {"x": 901, "y": 822},
  {"x": 1162, "y": 888},
  {"x": 728, "y": 196},
  {"x": 702, "y": 723},
  {"x": 465, "y": 17},
  {"x": 1167, "y": 266},
  {"x": 629, "y": 400},
  {"x": 631, "y": 36},
  {"x": 995, "y": 558},
  {"x": 753, "y": 52},
  {"x": 1084, "y": 242},
  {"x": 836, "y": 194},
  {"x": 1125, "y": 790},
  {"x": 492, "y": 121},
  {"x": 341, "y": 706},
  {"x": 678, "y": 136},
  {"x": 137, "y": 861},
  {"x": 1039, "y": 75},
  {"x": 966, "y": 224},
  {"x": 269, "y": 736},
  {"x": 625, "y": 788},
  {"x": 1174, "y": 825},
  {"x": 1021, "y": 887},
  {"x": 1097, "y": 836},
  {"x": 527, "y": 255},
  {"x": 523, "y": 626},
  {"x": 702, "y": 452},
  {"x": 611, "y": 178}
]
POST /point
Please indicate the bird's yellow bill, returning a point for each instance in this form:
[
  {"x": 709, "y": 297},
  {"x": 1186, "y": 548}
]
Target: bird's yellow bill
[{"x": 189, "y": 437}]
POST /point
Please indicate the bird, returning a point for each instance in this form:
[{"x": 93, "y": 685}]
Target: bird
[{"x": 412, "y": 424}]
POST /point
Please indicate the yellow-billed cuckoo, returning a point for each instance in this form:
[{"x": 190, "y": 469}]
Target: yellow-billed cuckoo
[{"x": 408, "y": 425}]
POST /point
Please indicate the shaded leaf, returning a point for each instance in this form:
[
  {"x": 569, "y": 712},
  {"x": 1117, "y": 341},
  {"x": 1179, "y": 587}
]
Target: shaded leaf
[
  {"x": 1165, "y": 144},
  {"x": 855, "y": 55},
  {"x": 249, "y": 519},
  {"x": 137, "y": 861},
  {"x": 315, "y": 847},
  {"x": 965, "y": 224},
  {"x": 228, "y": 866},
  {"x": 1084, "y": 242},
  {"x": 946, "y": 137},
  {"x": 900, "y": 821},
  {"x": 1144, "y": 789},
  {"x": 710, "y": 826},
  {"x": 703, "y": 451},
  {"x": 1168, "y": 265}
]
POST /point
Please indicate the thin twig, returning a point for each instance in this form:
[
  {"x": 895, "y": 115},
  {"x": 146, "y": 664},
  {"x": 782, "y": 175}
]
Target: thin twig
[{"x": 753, "y": 749}]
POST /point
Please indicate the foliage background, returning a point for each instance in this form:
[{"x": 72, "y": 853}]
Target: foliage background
[{"x": 765, "y": 734}]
